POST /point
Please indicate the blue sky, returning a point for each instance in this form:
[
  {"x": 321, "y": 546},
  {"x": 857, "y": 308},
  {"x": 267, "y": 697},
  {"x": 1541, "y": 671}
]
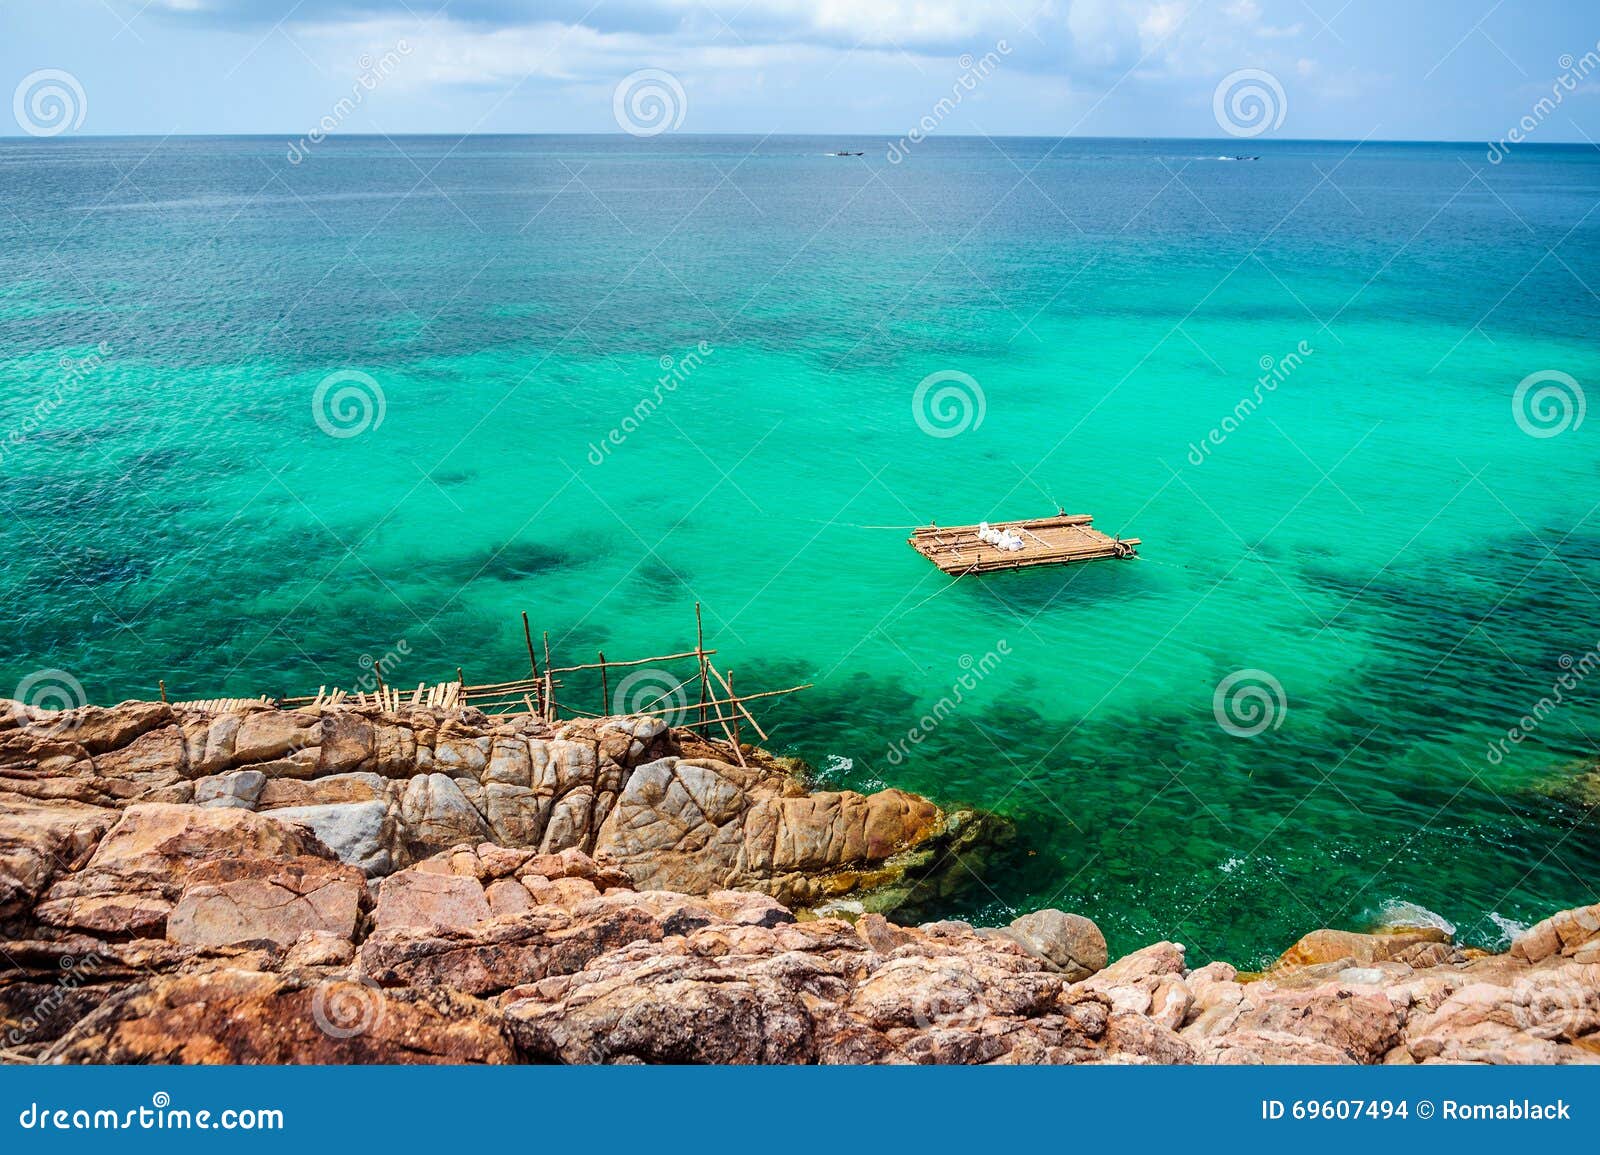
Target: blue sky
[{"x": 1386, "y": 69}]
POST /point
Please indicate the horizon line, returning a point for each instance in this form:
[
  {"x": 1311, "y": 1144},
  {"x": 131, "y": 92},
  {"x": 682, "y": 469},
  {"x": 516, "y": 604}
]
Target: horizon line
[{"x": 886, "y": 137}]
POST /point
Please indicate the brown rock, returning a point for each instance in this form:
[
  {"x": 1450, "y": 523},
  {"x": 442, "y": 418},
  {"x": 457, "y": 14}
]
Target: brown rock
[
  {"x": 237, "y": 901},
  {"x": 1069, "y": 943},
  {"x": 144, "y": 861},
  {"x": 1327, "y": 946},
  {"x": 241, "y": 1016},
  {"x": 507, "y": 896},
  {"x": 1363, "y": 1026},
  {"x": 1565, "y": 933},
  {"x": 431, "y": 902},
  {"x": 39, "y": 840}
]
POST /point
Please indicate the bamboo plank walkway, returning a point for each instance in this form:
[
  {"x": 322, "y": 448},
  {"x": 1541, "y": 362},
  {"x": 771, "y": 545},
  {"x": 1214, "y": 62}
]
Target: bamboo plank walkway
[
  {"x": 703, "y": 699},
  {"x": 1058, "y": 540}
]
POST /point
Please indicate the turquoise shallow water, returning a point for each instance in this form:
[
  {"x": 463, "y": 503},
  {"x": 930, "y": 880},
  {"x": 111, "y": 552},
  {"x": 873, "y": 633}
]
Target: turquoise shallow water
[{"x": 1379, "y": 535}]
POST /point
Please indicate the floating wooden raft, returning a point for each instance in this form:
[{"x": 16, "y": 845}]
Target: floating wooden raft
[{"x": 1057, "y": 540}]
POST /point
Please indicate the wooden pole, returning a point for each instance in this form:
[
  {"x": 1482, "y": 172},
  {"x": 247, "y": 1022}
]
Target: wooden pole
[
  {"x": 605, "y": 687},
  {"x": 549, "y": 682},
  {"x": 700, "y": 653},
  {"x": 738, "y": 702},
  {"x": 619, "y": 662},
  {"x": 533, "y": 663},
  {"x": 527, "y": 636},
  {"x": 734, "y": 697}
]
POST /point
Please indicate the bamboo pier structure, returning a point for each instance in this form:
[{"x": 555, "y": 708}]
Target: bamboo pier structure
[
  {"x": 690, "y": 692},
  {"x": 1059, "y": 540}
]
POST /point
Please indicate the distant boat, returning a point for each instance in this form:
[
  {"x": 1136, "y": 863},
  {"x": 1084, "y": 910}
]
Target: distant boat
[{"x": 847, "y": 154}]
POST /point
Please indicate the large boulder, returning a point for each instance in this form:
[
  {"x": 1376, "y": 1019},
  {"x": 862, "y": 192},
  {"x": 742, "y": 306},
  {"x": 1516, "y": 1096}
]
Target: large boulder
[
  {"x": 358, "y": 833},
  {"x": 1573, "y": 934},
  {"x": 697, "y": 825},
  {"x": 1321, "y": 947},
  {"x": 139, "y": 869},
  {"x": 1070, "y": 943}
]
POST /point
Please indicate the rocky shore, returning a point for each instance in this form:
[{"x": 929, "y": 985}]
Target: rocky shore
[{"x": 343, "y": 885}]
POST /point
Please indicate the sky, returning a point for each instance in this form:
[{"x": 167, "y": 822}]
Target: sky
[{"x": 1308, "y": 69}]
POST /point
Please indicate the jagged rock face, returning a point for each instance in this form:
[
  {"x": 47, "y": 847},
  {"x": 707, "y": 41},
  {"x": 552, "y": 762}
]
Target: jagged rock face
[
  {"x": 493, "y": 954},
  {"x": 383, "y": 791},
  {"x": 335, "y": 887}
]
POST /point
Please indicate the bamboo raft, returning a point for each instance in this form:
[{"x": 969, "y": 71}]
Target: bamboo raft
[{"x": 1059, "y": 540}]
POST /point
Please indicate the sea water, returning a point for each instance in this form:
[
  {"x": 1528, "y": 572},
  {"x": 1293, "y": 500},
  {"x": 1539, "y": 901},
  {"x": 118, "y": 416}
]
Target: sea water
[{"x": 266, "y": 423}]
